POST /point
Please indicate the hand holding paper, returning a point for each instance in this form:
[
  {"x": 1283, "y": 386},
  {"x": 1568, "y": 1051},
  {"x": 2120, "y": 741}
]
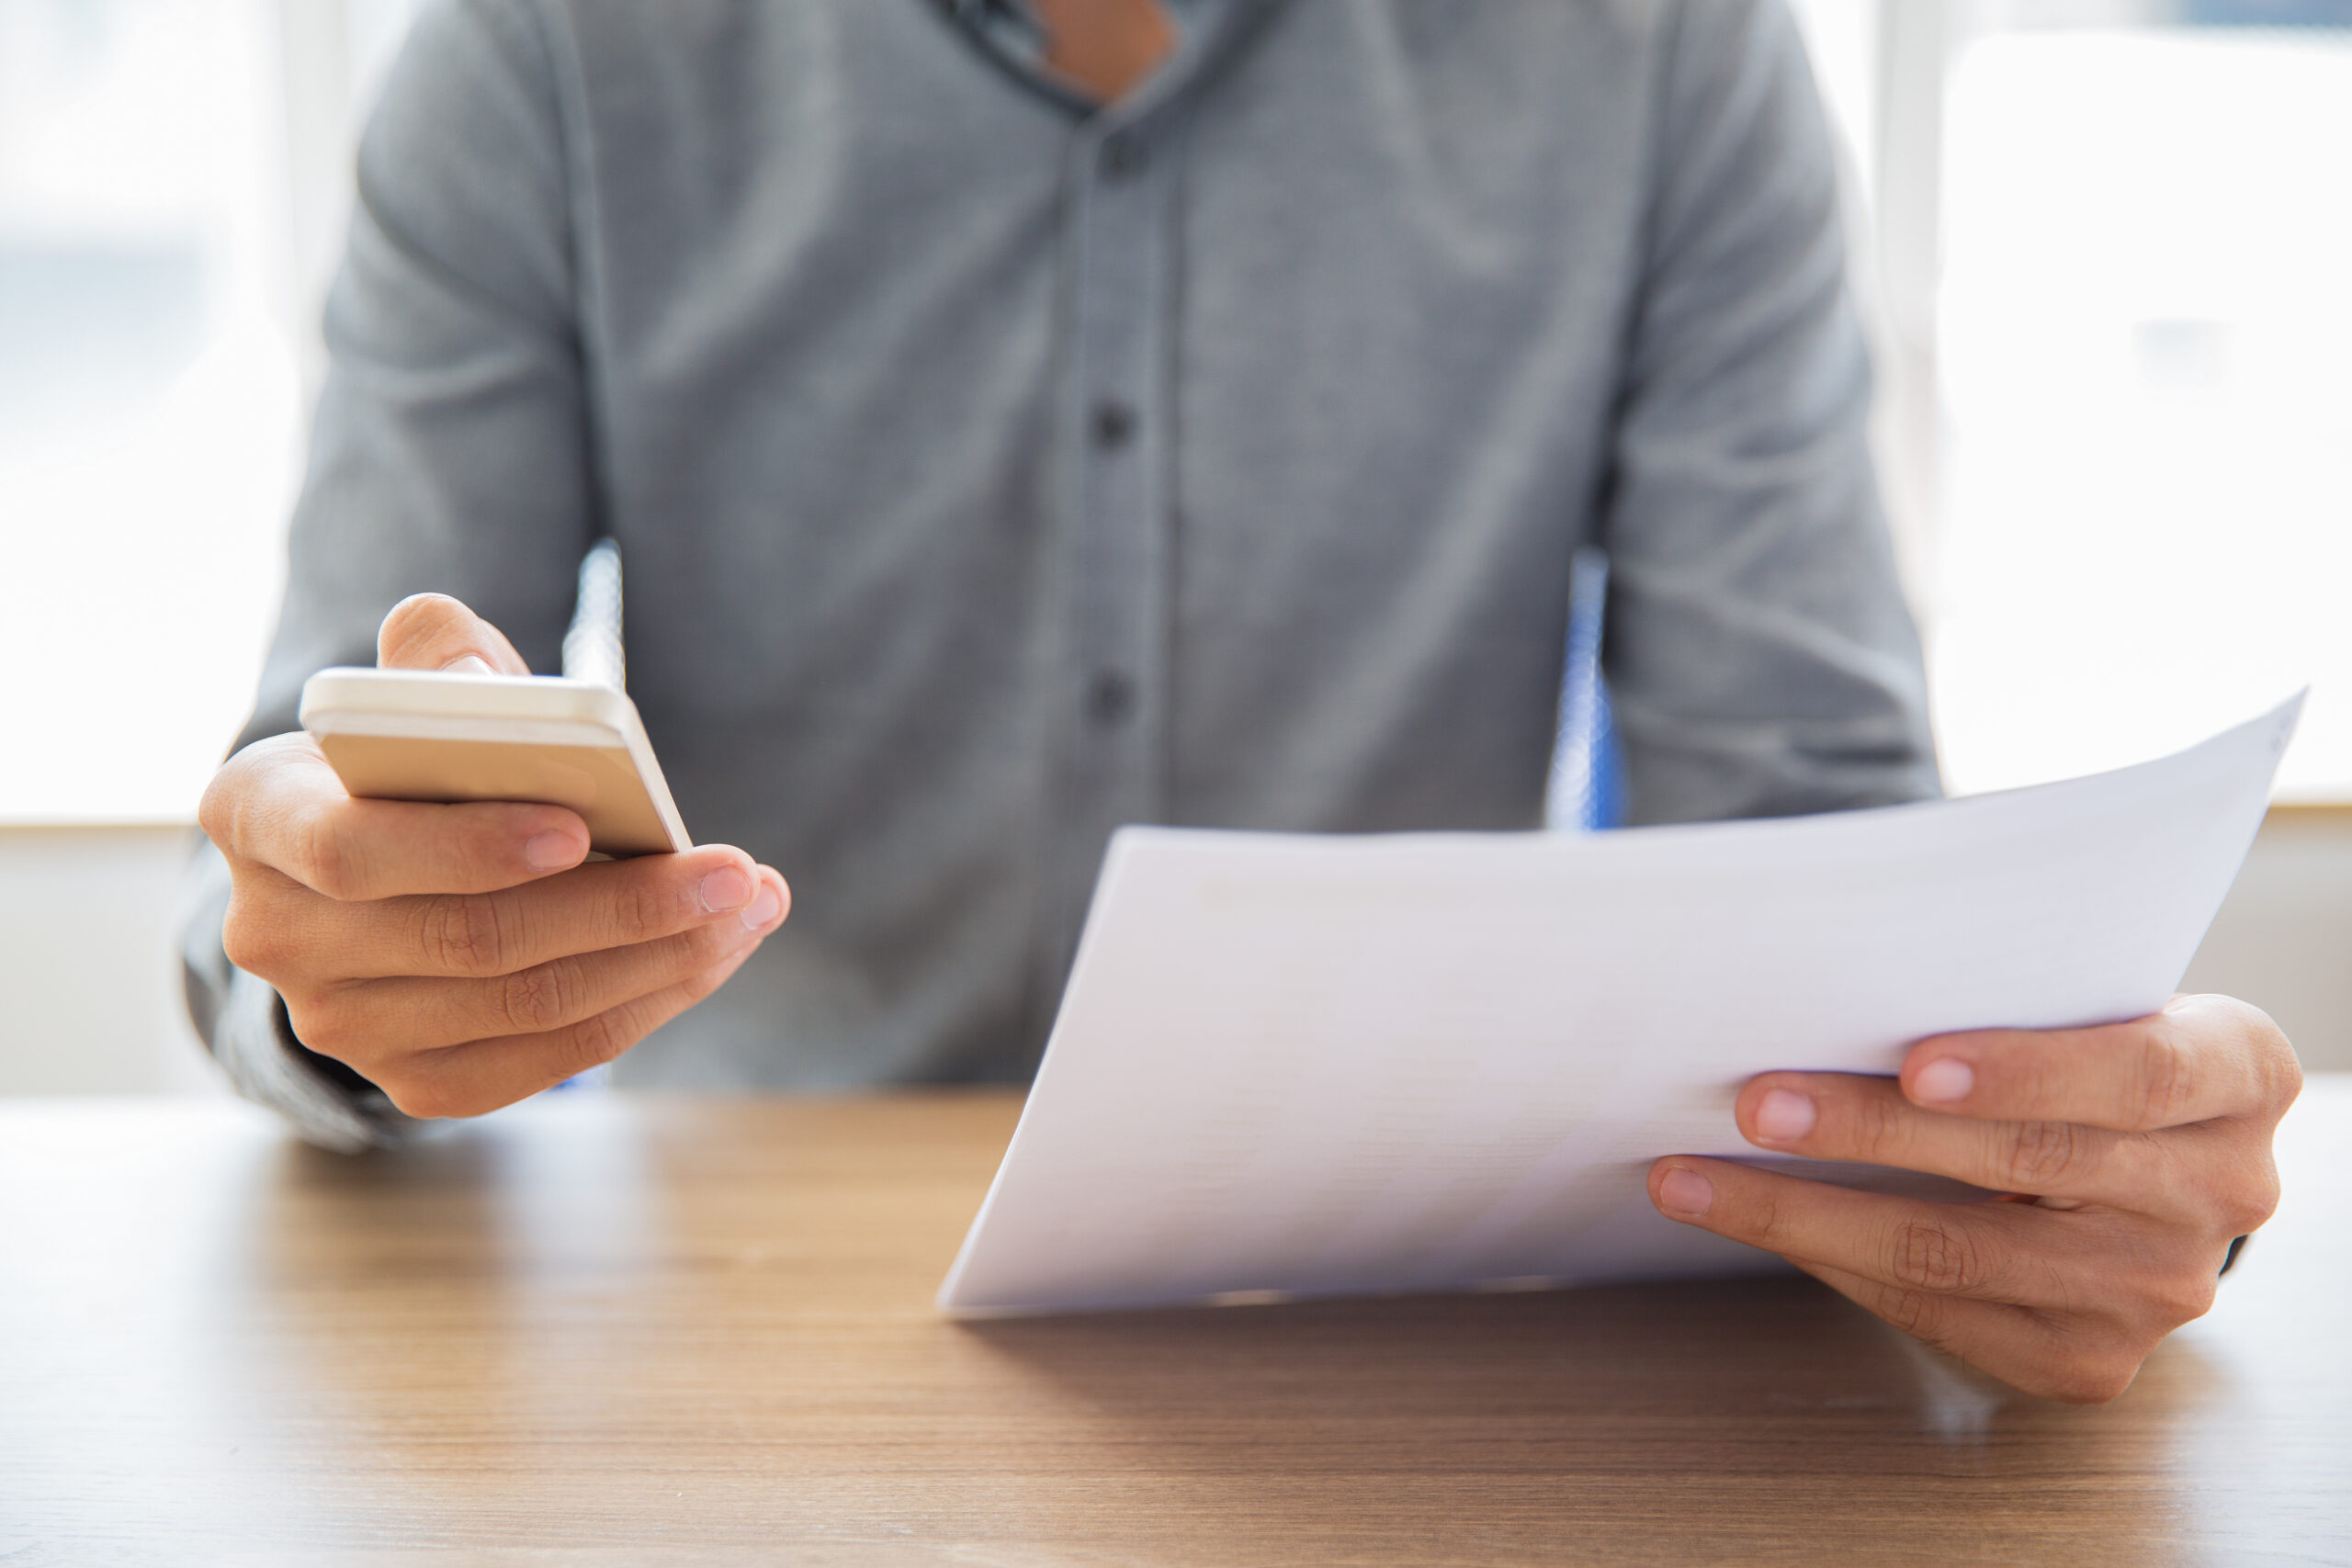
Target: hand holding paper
[
  {"x": 2142, "y": 1151},
  {"x": 1290, "y": 1064}
]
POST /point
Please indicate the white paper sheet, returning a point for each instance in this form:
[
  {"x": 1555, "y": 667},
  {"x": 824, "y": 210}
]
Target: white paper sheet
[{"x": 1318, "y": 1065}]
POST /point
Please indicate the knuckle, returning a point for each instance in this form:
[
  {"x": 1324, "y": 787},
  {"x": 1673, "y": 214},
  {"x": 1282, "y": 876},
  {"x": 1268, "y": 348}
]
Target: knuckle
[
  {"x": 254, "y": 808},
  {"x": 2184, "y": 1295},
  {"x": 2284, "y": 1079},
  {"x": 1932, "y": 1255},
  {"x": 2094, "y": 1378},
  {"x": 462, "y": 934},
  {"x": 2248, "y": 1202},
  {"x": 1878, "y": 1121},
  {"x": 416, "y": 1089},
  {"x": 322, "y": 1022},
  {"x": 254, "y": 939},
  {"x": 330, "y": 862},
  {"x": 2166, "y": 1077},
  {"x": 642, "y": 910},
  {"x": 418, "y": 1096},
  {"x": 1764, "y": 1226},
  {"x": 2278, "y": 1070},
  {"x": 215, "y": 810},
  {"x": 538, "y": 999},
  {"x": 221, "y": 808},
  {"x": 2275, "y": 1076},
  {"x": 595, "y": 1041},
  {"x": 1911, "y": 1311},
  {"x": 2041, "y": 1152}
]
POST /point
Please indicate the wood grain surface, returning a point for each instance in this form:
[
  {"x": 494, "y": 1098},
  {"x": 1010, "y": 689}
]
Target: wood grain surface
[{"x": 602, "y": 1329}]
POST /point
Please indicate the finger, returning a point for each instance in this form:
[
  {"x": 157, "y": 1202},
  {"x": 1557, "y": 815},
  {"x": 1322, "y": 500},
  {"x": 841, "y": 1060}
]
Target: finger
[
  {"x": 279, "y": 804},
  {"x": 1845, "y": 1116},
  {"x": 433, "y": 631},
  {"x": 480, "y": 1076},
  {"x": 536, "y": 1000},
  {"x": 592, "y": 908},
  {"x": 1946, "y": 1249},
  {"x": 2087, "y": 1364},
  {"x": 2200, "y": 1058},
  {"x": 1984, "y": 1334}
]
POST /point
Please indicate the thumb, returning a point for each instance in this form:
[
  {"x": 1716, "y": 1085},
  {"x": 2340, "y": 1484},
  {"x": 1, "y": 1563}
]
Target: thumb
[{"x": 433, "y": 631}]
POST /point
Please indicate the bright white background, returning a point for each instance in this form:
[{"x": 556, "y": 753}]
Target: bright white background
[
  {"x": 2109, "y": 268},
  {"x": 2118, "y": 255},
  {"x": 2146, "y": 325},
  {"x": 174, "y": 176}
]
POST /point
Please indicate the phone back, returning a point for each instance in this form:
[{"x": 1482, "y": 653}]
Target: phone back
[{"x": 418, "y": 735}]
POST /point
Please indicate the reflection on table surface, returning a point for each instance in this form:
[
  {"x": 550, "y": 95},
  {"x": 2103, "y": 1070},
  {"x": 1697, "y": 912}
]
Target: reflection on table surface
[{"x": 627, "y": 1330}]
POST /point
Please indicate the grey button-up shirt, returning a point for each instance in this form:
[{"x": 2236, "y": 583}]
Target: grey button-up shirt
[{"x": 991, "y": 470}]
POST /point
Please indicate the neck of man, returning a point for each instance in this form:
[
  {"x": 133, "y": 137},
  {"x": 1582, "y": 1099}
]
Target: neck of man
[{"x": 1105, "y": 47}]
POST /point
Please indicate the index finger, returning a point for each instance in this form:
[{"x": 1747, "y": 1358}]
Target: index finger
[
  {"x": 279, "y": 803},
  {"x": 597, "y": 908},
  {"x": 2198, "y": 1059}
]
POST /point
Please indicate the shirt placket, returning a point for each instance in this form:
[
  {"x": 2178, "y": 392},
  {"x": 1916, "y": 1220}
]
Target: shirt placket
[{"x": 1115, "y": 429}]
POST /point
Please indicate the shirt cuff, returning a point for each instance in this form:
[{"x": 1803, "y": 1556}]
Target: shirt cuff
[
  {"x": 255, "y": 1045},
  {"x": 243, "y": 1019}
]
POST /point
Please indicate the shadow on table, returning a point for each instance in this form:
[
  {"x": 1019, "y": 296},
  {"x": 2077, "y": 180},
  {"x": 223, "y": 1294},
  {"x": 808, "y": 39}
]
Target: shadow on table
[
  {"x": 1756, "y": 1420},
  {"x": 1716, "y": 1350},
  {"x": 560, "y": 1308}
]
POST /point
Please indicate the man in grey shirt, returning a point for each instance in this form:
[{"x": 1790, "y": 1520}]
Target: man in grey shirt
[{"x": 1019, "y": 421}]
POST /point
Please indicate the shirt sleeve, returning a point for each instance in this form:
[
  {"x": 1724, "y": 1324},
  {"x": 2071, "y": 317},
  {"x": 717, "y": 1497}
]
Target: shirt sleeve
[
  {"x": 243, "y": 1023},
  {"x": 1760, "y": 657},
  {"x": 451, "y": 452}
]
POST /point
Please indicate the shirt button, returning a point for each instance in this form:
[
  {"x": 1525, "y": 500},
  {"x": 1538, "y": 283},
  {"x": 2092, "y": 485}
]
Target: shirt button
[
  {"x": 1121, "y": 156},
  {"x": 1114, "y": 422},
  {"x": 1110, "y": 699}
]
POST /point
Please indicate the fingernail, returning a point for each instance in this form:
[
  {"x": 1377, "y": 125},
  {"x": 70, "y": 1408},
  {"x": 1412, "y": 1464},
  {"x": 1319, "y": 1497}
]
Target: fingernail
[
  {"x": 1784, "y": 1116},
  {"x": 472, "y": 664},
  {"x": 763, "y": 908},
  {"x": 551, "y": 849},
  {"x": 1685, "y": 1191},
  {"x": 1944, "y": 1079},
  {"x": 724, "y": 889}
]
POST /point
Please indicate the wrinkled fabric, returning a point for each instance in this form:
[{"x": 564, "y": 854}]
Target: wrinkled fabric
[{"x": 992, "y": 469}]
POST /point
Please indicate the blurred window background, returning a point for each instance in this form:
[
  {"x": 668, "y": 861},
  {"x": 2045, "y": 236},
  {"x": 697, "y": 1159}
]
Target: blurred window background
[
  {"x": 173, "y": 182},
  {"x": 2109, "y": 263},
  {"x": 2145, "y": 338},
  {"x": 2105, "y": 241},
  {"x": 2104, "y": 245}
]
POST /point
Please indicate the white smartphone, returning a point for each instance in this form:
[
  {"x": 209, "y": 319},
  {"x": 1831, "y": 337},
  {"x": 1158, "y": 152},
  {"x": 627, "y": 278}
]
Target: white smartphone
[{"x": 421, "y": 735}]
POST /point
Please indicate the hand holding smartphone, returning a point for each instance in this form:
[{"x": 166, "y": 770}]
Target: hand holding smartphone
[
  {"x": 426, "y": 735},
  {"x": 408, "y": 871}
]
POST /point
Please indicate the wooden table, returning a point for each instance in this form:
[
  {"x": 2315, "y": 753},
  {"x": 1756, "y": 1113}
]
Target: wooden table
[{"x": 607, "y": 1330}]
